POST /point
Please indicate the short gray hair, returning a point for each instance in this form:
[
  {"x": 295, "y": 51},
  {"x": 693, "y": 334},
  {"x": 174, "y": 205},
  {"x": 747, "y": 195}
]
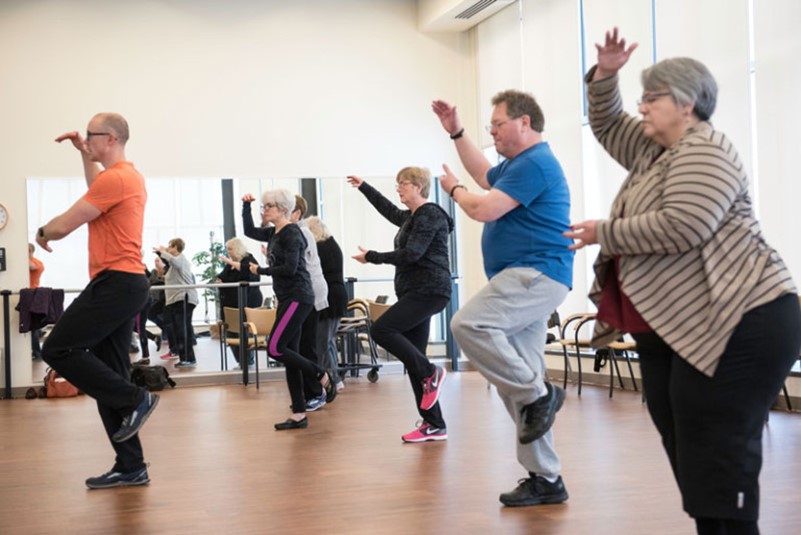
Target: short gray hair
[
  {"x": 688, "y": 80},
  {"x": 318, "y": 229},
  {"x": 284, "y": 200}
]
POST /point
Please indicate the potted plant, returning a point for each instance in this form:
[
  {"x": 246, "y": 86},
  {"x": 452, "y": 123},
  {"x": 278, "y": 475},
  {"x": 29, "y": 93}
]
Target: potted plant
[{"x": 209, "y": 261}]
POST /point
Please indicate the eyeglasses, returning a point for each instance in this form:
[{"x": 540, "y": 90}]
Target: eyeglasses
[
  {"x": 90, "y": 134},
  {"x": 495, "y": 126},
  {"x": 650, "y": 98},
  {"x": 266, "y": 206},
  {"x": 403, "y": 183}
]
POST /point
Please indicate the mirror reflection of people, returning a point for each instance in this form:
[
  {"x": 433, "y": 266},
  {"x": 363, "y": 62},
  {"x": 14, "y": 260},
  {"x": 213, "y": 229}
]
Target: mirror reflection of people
[
  {"x": 181, "y": 302},
  {"x": 158, "y": 312},
  {"x": 684, "y": 268},
  {"x": 237, "y": 269},
  {"x": 36, "y": 268},
  {"x": 88, "y": 345},
  {"x": 332, "y": 264},
  {"x": 422, "y": 285},
  {"x": 316, "y": 397},
  {"x": 293, "y": 288}
]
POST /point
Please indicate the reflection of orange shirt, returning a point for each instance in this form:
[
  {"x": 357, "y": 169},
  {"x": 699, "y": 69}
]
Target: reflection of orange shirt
[
  {"x": 36, "y": 273},
  {"x": 115, "y": 236}
]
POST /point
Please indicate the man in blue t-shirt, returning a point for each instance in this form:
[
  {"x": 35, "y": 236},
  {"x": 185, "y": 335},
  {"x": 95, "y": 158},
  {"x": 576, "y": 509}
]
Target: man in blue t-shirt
[{"x": 502, "y": 330}]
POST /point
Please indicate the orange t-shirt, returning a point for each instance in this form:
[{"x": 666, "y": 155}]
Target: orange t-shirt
[
  {"x": 36, "y": 273},
  {"x": 115, "y": 236}
]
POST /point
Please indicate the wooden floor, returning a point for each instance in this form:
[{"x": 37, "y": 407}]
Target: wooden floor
[{"x": 217, "y": 466}]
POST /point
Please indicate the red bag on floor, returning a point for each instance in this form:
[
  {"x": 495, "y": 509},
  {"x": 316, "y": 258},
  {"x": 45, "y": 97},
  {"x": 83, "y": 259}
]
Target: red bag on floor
[{"x": 57, "y": 386}]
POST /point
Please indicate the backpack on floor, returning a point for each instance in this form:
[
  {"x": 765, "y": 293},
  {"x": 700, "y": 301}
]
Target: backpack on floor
[
  {"x": 152, "y": 377},
  {"x": 56, "y": 386}
]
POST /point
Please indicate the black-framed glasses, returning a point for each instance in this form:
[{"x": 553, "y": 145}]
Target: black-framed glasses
[
  {"x": 650, "y": 98},
  {"x": 266, "y": 206},
  {"x": 90, "y": 134}
]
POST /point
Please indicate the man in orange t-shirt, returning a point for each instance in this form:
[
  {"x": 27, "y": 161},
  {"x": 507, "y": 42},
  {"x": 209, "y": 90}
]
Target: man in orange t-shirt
[
  {"x": 36, "y": 268},
  {"x": 89, "y": 344}
]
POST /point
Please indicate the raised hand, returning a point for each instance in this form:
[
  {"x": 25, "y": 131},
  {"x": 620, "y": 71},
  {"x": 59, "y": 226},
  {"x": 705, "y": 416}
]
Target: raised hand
[
  {"x": 448, "y": 180},
  {"x": 362, "y": 256},
  {"x": 77, "y": 141},
  {"x": 225, "y": 260},
  {"x": 612, "y": 55},
  {"x": 447, "y": 116},
  {"x": 355, "y": 181},
  {"x": 247, "y": 197}
]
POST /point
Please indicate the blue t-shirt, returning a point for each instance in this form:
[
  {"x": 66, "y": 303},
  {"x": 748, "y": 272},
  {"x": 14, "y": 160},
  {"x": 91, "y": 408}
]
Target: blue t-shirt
[{"x": 531, "y": 234}]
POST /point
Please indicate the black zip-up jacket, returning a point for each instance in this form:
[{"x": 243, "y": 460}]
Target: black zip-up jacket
[{"x": 421, "y": 246}]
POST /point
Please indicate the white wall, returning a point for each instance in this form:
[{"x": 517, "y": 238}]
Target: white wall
[
  {"x": 248, "y": 88},
  {"x": 778, "y": 78}
]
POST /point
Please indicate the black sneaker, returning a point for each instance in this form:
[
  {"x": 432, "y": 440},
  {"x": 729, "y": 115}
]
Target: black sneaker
[
  {"x": 535, "y": 491},
  {"x": 538, "y": 417},
  {"x": 118, "y": 479},
  {"x": 132, "y": 423}
]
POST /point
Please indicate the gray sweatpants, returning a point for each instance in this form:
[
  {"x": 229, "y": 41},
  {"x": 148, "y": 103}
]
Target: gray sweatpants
[{"x": 502, "y": 331}]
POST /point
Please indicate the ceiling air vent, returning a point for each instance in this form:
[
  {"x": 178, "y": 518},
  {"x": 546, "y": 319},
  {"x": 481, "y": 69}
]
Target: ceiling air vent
[
  {"x": 456, "y": 15},
  {"x": 476, "y": 8}
]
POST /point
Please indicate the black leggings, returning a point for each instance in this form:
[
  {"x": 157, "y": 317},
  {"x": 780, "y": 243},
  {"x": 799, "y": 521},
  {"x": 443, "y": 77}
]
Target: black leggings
[
  {"x": 283, "y": 346},
  {"x": 403, "y": 331},
  {"x": 711, "y": 427}
]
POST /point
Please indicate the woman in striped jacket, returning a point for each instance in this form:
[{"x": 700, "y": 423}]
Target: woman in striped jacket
[{"x": 684, "y": 268}]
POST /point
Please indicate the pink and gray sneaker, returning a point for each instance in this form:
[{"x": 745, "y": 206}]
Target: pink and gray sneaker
[
  {"x": 432, "y": 386},
  {"x": 425, "y": 433}
]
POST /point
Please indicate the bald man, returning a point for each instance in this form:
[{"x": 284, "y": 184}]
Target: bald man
[{"x": 89, "y": 344}]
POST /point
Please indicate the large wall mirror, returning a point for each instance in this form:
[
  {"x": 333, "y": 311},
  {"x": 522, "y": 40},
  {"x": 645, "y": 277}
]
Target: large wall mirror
[{"x": 205, "y": 210}]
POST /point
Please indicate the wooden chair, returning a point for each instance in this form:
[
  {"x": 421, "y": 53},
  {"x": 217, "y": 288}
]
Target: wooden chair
[
  {"x": 350, "y": 327},
  {"x": 570, "y": 339},
  {"x": 376, "y": 309},
  {"x": 620, "y": 348},
  {"x": 260, "y": 323},
  {"x": 231, "y": 324}
]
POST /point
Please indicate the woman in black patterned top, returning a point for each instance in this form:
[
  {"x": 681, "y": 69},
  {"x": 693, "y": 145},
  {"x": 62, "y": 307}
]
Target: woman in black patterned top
[
  {"x": 422, "y": 285},
  {"x": 293, "y": 289},
  {"x": 684, "y": 268}
]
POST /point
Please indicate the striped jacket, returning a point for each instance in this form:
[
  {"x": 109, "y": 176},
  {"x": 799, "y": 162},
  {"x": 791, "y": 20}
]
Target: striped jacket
[{"x": 692, "y": 257}]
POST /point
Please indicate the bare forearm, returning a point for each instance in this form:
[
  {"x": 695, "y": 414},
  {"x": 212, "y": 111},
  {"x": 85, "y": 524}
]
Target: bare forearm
[
  {"x": 470, "y": 203},
  {"x": 90, "y": 169},
  {"x": 473, "y": 160},
  {"x": 58, "y": 227}
]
